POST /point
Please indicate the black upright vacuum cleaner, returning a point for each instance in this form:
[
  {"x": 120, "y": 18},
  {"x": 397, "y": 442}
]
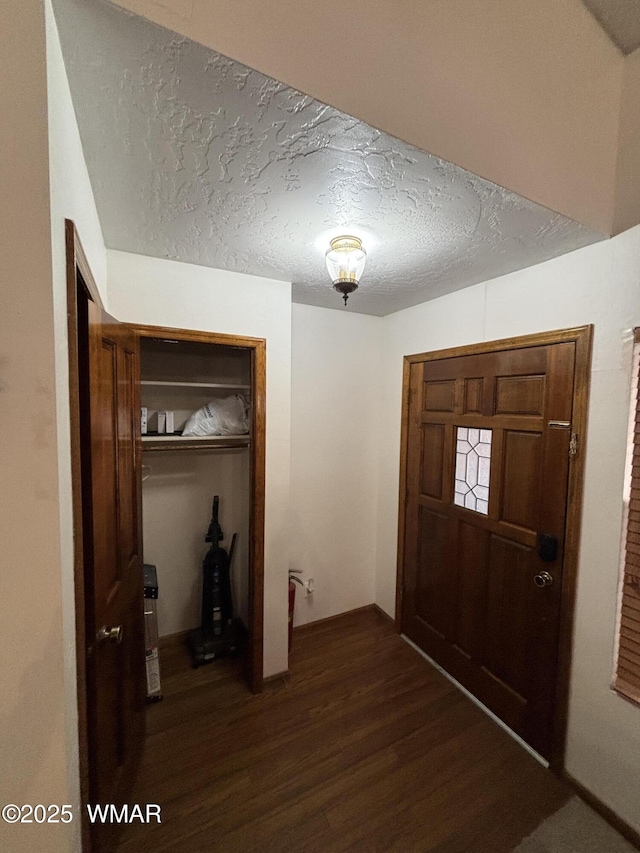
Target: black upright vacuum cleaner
[{"x": 220, "y": 632}]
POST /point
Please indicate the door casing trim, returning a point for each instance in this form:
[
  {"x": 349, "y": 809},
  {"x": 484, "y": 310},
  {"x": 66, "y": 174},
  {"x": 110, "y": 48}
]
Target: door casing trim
[
  {"x": 78, "y": 272},
  {"x": 582, "y": 336}
]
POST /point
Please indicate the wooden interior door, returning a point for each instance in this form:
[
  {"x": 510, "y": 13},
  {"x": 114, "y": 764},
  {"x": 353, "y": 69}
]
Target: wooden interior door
[
  {"x": 113, "y": 561},
  {"x": 488, "y": 456}
]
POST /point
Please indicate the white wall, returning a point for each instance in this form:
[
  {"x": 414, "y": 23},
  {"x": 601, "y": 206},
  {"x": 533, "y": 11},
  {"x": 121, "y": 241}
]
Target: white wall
[
  {"x": 600, "y": 285},
  {"x": 71, "y": 194},
  {"x": 42, "y": 181},
  {"x": 168, "y": 293},
  {"x": 335, "y": 406},
  {"x": 176, "y": 509},
  {"x": 71, "y": 198}
]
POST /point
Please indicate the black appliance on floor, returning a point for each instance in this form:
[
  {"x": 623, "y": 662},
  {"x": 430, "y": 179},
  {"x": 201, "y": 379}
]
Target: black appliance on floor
[{"x": 220, "y": 633}]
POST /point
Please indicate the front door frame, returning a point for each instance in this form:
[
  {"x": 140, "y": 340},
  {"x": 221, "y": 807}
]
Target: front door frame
[{"x": 583, "y": 338}]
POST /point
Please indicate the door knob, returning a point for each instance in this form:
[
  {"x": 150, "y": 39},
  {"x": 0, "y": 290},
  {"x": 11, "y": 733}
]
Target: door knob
[
  {"x": 109, "y": 634},
  {"x": 543, "y": 579}
]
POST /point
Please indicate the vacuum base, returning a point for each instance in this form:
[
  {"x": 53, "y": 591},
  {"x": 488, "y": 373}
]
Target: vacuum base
[{"x": 205, "y": 646}]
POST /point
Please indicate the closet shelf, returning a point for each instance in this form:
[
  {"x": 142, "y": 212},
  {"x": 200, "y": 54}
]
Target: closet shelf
[
  {"x": 162, "y": 384},
  {"x": 193, "y": 442}
]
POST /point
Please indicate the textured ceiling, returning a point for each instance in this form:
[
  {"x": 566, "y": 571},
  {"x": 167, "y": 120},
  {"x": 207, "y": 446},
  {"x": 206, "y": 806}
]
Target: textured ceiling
[
  {"x": 620, "y": 19},
  {"x": 195, "y": 157}
]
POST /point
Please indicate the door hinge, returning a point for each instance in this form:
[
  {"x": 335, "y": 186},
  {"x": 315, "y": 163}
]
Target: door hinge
[{"x": 573, "y": 446}]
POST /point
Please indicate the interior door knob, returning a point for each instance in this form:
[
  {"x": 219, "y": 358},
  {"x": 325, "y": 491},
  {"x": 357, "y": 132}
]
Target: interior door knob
[
  {"x": 109, "y": 634},
  {"x": 543, "y": 579}
]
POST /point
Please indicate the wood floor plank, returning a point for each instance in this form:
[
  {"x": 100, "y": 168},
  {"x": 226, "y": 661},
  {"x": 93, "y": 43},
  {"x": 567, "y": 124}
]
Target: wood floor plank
[{"x": 366, "y": 747}]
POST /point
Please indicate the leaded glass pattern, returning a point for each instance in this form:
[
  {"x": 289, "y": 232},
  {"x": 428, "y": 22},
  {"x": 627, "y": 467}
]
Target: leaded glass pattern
[{"x": 473, "y": 464}]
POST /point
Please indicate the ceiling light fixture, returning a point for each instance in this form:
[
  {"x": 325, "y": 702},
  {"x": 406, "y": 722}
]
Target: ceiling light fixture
[{"x": 345, "y": 261}]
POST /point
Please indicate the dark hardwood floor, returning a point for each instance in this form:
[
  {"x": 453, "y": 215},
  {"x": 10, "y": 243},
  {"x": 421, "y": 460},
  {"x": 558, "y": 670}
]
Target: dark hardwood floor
[{"x": 365, "y": 748}]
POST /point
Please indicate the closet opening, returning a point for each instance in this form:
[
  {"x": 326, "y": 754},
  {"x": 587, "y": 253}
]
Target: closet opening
[{"x": 194, "y": 386}]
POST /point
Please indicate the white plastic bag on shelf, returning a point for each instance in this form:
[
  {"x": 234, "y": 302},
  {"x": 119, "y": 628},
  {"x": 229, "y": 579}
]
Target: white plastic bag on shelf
[{"x": 228, "y": 416}]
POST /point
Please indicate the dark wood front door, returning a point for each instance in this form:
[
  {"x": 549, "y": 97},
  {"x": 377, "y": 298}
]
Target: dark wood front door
[
  {"x": 113, "y": 561},
  {"x": 487, "y": 473}
]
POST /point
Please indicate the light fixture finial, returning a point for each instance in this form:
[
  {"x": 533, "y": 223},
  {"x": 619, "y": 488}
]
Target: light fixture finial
[{"x": 345, "y": 261}]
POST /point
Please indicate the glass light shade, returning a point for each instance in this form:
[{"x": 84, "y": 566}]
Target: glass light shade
[{"x": 345, "y": 260}]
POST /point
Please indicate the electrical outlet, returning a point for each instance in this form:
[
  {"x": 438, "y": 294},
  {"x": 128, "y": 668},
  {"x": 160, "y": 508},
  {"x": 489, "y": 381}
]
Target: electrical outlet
[{"x": 309, "y": 587}]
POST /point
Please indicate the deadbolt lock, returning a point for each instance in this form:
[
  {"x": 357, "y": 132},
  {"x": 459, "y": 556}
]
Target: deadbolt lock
[
  {"x": 113, "y": 635},
  {"x": 543, "y": 579}
]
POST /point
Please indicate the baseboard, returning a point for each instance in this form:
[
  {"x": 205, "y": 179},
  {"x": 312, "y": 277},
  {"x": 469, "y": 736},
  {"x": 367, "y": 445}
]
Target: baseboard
[
  {"x": 174, "y": 639},
  {"x": 385, "y": 615},
  {"x": 283, "y": 676},
  {"x": 319, "y": 622},
  {"x": 603, "y": 810}
]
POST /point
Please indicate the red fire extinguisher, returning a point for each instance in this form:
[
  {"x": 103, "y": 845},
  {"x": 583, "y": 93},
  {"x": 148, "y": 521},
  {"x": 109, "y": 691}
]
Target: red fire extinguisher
[{"x": 293, "y": 580}]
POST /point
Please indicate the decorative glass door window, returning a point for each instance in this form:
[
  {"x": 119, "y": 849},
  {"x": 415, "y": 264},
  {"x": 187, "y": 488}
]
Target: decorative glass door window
[{"x": 473, "y": 463}]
